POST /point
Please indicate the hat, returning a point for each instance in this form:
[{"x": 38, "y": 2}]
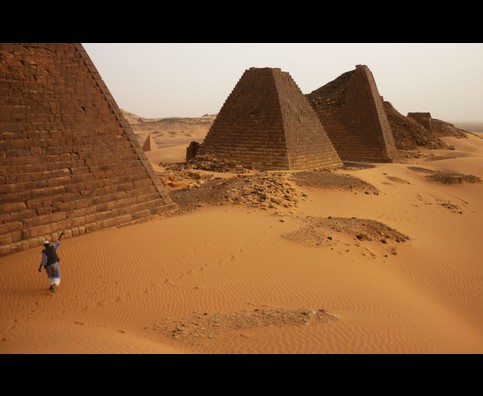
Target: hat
[{"x": 46, "y": 243}]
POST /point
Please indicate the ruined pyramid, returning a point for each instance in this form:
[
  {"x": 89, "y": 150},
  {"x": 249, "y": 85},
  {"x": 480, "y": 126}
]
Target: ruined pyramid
[
  {"x": 352, "y": 112},
  {"x": 68, "y": 158},
  {"x": 423, "y": 119},
  {"x": 267, "y": 123},
  {"x": 408, "y": 133}
]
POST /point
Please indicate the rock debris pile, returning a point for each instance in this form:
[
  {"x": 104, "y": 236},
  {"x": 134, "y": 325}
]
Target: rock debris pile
[
  {"x": 320, "y": 231},
  {"x": 204, "y": 325}
]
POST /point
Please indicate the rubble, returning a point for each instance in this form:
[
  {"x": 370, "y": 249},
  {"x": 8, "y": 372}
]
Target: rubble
[
  {"x": 203, "y": 325},
  {"x": 319, "y": 231}
]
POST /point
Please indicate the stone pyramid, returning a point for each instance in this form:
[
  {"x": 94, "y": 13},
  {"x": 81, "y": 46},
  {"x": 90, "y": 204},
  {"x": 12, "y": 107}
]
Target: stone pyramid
[
  {"x": 150, "y": 144},
  {"x": 352, "y": 112},
  {"x": 423, "y": 119},
  {"x": 68, "y": 158},
  {"x": 267, "y": 123}
]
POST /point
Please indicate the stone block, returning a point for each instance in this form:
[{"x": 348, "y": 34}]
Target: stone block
[{"x": 41, "y": 230}]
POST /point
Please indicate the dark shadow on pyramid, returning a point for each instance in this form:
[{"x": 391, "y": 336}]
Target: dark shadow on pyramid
[
  {"x": 352, "y": 112},
  {"x": 68, "y": 158},
  {"x": 267, "y": 123}
]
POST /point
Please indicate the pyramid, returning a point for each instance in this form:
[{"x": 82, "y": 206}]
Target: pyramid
[
  {"x": 149, "y": 144},
  {"x": 266, "y": 122},
  {"x": 68, "y": 158},
  {"x": 423, "y": 119},
  {"x": 352, "y": 112}
]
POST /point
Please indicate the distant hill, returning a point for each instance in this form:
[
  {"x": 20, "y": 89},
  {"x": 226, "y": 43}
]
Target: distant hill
[{"x": 172, "y": 131}]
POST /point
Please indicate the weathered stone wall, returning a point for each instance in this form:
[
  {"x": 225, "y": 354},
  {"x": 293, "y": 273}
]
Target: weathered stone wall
[
  {"x": 68, "y": 158},
  {"x": 423, "y": 119},
  {"x": 192, "y": 150},
  {"x": 267, "y": 123},
  {"x": 352, "y": 112}
]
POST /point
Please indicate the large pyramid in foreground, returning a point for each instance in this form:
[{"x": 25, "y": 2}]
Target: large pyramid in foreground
[
  {"x": 352, "y": 112},
  {"x": 68, "y": 158},
  {"x": 267, "y": 123}
]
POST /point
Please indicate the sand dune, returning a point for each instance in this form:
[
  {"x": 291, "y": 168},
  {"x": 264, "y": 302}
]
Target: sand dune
[{"x": 124, "y": 289}]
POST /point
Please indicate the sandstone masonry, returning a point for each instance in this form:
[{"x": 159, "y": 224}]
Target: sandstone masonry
[
  {"x": 266, "y": 122},
  {"x": 68, "y": 158},
  {"x": 423, "y": 119},
  {"x": 352, "y": 112}
]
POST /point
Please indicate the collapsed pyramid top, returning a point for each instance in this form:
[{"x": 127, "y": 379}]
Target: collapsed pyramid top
[
  {"x": 423, "y": 119},
  {"x": 68, "y": 158},
  {"x": 266, "y": 122},
  {"x": 352, "y": 112}
]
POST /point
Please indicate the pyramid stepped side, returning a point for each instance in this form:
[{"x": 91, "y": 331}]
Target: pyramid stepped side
[
  {"x": 249, "y": 126},
  {"x": 352, "y": 112},
  {"x": 308, "y": 145},
  {"x": 68, "y": 158},
  {"x": 387, "y": 142}
]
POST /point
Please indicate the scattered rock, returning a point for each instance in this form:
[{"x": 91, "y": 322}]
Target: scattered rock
[
  {"x": 397, "y": 179},
  {"x": 317, "y": 231},
  {"x": 451, "y": 206},
  {"x": 210, "y": 163},
  {"x": 332, "y": 180},
  {"x": 453, "y": 178},
  {"x": 446, "y": 177},
  {"x": 196, "y": 327},
  {"x": 262, "y": 190}
]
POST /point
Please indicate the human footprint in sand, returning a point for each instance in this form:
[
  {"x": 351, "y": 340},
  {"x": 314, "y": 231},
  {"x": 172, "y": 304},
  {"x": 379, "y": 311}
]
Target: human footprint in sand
[{"x": 50, "y": 261}]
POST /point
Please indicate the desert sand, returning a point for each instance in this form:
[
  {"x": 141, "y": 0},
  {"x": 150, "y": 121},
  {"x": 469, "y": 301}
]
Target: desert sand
[{"x": 230, "y": 278}]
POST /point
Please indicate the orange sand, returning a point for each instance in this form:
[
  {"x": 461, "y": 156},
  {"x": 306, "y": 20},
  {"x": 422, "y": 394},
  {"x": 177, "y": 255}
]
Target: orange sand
[{"x": 118, "y": 284}]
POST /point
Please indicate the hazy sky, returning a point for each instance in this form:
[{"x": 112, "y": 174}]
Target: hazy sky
[{"x": 182, "y": 79}]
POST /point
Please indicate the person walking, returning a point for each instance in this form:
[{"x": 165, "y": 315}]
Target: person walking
[{"x": 50, "y": 261}]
